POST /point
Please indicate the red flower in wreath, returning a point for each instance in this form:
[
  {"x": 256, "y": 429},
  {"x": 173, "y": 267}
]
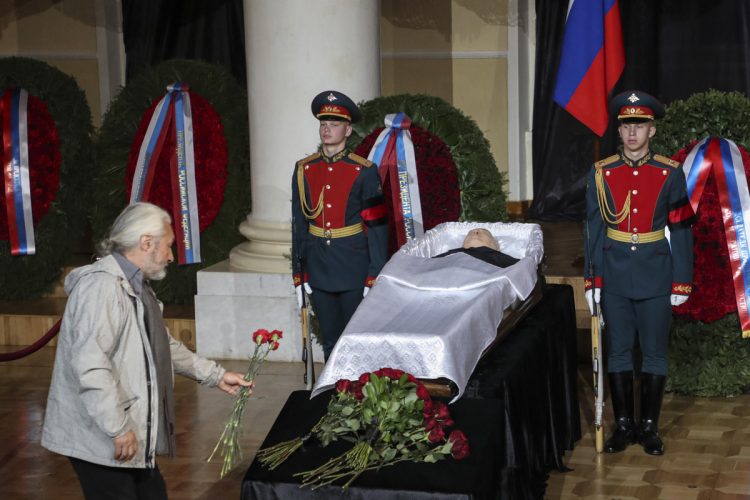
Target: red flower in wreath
[
  {"x": 713, "y": 295},
  {"x": 438, "y": 180},
  {"x": 210, "y": 150},
  {"x": 44, "y": 163}
]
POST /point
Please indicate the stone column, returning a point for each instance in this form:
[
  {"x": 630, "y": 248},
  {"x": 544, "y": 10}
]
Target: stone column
[{"x": 294, "y": 50}]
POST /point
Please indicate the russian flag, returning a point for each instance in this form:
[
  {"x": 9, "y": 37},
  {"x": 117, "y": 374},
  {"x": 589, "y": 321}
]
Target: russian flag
[{"x": 591, "y": 62}]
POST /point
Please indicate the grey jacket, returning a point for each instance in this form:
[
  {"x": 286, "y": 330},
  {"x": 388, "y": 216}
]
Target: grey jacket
[{"x": 100, "y": 383}]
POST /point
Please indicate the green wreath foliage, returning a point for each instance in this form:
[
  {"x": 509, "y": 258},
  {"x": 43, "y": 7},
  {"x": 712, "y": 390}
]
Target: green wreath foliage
[
  {"x": 715, "y": 113},
  {"x": 114, "y": 140},
  {"x": 28, "y": 277},
  {"x": 483, "y": 196},
  {"x": 706, "y": 359}
]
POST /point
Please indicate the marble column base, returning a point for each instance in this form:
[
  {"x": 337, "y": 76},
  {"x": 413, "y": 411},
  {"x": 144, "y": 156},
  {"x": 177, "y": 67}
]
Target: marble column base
[
  {"x": 267, "y": 249},
  {"x": 231, "y": 304}
]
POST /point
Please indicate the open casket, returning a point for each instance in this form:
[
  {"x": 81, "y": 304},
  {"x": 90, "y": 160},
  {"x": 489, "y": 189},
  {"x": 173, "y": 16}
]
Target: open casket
[{"x": 435, "y": 318}]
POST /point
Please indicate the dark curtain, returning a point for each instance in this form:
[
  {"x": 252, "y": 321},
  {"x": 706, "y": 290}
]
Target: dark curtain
[
  {"x": 157, "y": 30},
  {"x": 673, "y": 49}
]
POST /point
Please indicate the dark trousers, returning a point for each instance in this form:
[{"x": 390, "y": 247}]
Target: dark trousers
[
  {"x": 334, "y": 310},
  {"x": 100, "y": 482},
  {"x": 648, "y": 321}
]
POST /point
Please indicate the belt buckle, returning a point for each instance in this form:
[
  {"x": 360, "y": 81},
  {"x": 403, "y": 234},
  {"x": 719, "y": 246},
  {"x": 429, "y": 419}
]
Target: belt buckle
[
  {"x": 327, "y": 233},
  {"x": 634, "y": 238}
]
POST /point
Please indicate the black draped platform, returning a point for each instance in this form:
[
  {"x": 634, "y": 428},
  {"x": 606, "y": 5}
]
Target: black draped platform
[{"x": 520, "y": 413}]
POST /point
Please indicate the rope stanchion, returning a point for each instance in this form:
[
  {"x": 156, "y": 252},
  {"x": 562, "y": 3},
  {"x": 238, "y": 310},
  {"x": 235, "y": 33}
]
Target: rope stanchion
[{"x": 11, "y": 356}]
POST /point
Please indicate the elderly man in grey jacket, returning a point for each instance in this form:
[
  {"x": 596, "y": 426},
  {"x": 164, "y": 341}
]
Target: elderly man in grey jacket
[{"x": 110, "y": 407}]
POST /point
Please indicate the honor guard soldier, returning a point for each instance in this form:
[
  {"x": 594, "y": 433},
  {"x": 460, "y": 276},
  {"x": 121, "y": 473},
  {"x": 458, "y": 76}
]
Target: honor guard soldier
[
  {"x": 633, "y": 268},
  {"x": 339, "y": 221}
]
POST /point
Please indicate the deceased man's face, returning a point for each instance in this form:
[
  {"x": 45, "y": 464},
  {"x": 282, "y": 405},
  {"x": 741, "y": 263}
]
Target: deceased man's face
[{"x": 480, "y": 238}]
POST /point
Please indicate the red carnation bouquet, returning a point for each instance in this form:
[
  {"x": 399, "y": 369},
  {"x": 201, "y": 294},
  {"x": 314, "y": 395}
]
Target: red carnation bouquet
[
  {"x": 389, "y": 417},
  {"x": 228, "y": 444}
]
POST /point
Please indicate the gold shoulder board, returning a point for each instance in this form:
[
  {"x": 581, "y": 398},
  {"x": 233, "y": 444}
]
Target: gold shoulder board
[
  {"x": 308, "y": 159},
  {"x": 358, "y": 159},
  {"x": 668, "y": 161},
  {"x": 606, "y": 161}
]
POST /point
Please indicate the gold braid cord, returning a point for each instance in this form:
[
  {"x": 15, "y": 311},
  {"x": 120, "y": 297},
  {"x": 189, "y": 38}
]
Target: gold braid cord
[
  {"x": 309, "y": 212},
  {"x": 608, "y": 214}
]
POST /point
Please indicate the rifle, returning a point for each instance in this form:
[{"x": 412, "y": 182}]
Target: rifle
[
  {"x": 596, "y": 360},
  {"x": 305, "y": 315}
]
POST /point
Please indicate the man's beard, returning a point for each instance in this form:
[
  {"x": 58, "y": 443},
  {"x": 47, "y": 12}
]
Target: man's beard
[{"x": 154, "y": 270}]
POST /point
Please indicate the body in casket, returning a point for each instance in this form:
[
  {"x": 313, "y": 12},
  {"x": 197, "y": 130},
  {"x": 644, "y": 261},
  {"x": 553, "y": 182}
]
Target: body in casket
[{"x": 435, "y": 317}]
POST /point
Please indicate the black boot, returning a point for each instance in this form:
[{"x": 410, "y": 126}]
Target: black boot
[
  {"x": 652, "y": 391},
  {"x": 624, "y": 434}
]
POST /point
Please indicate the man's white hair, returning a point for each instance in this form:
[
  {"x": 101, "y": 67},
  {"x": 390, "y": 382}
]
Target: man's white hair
[{"x": 138, "y": 219}]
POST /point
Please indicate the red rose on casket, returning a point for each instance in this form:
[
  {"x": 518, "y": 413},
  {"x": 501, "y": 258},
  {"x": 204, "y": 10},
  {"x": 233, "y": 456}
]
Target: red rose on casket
[
  {"x": 343, "y": 385},
  {"x": 460, "y": 445}
]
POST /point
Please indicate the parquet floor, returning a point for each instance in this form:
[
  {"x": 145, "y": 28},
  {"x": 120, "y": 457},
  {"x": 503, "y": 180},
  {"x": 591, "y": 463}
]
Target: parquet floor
[
  {"x": 707, "y": 439},
  {"x": 707, "y": 454}
]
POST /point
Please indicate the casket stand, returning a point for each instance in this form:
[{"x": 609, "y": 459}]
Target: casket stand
[{"x": 520, "y": 412}]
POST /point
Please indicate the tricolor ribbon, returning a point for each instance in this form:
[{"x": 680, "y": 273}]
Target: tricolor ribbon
[
  {"x": 14, "y": 116},
  {"x": 172, "y": 115},
  {"x": 723, "y": 158},
  {"x": 393, "y": 152}
]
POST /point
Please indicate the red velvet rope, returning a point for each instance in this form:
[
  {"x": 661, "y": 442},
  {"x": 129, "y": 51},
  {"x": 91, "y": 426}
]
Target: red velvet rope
[{"x": 10, "y": 356}]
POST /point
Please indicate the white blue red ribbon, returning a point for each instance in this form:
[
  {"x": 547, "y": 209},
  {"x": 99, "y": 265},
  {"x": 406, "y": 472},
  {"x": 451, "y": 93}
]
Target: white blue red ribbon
[
  {"x": 173, "y": 115},
  {"x": 393, "y": 152},
  {"x": 723, "y": 158},
  {"x": 14, "y": 111}
]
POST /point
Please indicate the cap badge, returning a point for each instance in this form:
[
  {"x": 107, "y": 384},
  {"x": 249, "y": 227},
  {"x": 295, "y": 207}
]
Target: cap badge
[
  {"x": 633, "y": 98},
  {"x": 331, "y": 97}
]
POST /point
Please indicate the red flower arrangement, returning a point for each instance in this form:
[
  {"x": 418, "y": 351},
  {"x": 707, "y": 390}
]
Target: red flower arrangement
[
  {"x": 713, "y": 296},
  {"x": 228, "y": 444},
  {"x": 438, "y": 180},
  {"x": 210, "y": 150},
  {"x": 389, "y": 416},
  {"x": 44, "y": 163}
]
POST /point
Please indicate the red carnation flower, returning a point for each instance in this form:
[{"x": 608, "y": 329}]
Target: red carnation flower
[
  {"x": 261, "y": 336},
  {"x": 364, "y": 378}
]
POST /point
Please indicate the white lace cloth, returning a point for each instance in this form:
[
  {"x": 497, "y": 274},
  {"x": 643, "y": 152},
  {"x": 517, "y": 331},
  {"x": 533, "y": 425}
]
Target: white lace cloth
[{"x": 434, "y": 317}]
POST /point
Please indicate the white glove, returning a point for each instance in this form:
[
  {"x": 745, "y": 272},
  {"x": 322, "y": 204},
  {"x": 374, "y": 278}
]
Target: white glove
[
  {"x": 678, "y": 300},
  {"x": 298, "y": 289},
  {"x": 593, "y": 295},
  {"x": 365, "y": 292}
]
